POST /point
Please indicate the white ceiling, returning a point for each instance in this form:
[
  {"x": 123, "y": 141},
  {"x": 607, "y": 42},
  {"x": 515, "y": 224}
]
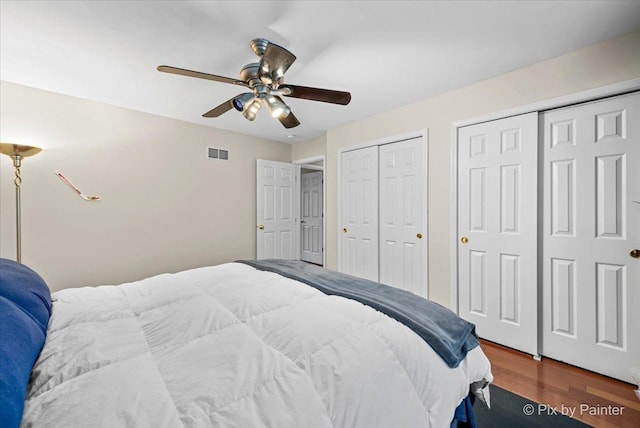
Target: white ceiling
[{"x": 387, "y": 54}]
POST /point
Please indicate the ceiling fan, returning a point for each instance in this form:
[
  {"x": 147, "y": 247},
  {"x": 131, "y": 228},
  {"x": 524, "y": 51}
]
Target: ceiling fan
[{"x": 265, "y": 79}]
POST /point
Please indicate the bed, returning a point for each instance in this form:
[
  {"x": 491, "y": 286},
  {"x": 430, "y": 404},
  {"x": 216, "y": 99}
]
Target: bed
[{"x": 243, "y": 344}]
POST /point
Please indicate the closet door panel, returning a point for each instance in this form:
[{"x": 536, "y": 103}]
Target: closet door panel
[
  {"x": 359, "y": 213},
  {"x": 497, "y": 224},
  {"x": 591, "y": 211},
  {"x": 403, "y": 197}
]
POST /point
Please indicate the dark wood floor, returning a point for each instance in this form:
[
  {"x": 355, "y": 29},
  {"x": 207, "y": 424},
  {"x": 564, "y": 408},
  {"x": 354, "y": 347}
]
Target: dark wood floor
[{"x": 556, "y": 384}]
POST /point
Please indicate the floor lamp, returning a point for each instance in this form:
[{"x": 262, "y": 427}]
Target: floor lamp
[{"x": 17, "y": 153}]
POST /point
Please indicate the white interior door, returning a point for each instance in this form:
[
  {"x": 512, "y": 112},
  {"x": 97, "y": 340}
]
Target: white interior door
[
  {"x": 277, "y": 207},
  {"x": 359, "y": 212},
  {"x": 497, "y": 222},
  {"x": 591, "y": 284},
  {"x": 311, "y": 217},
  {"x": 403, "y": 196}
]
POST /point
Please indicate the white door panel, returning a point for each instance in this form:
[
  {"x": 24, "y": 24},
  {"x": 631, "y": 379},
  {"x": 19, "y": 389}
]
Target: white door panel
[
  {"x": 311, "y": 217},
  {"x": 497, "y": 203},
  {"x": 591, "y": 285},
  {"x": 403, "y": 193},
  {"x": 277, "y": 204},
  {"x": 359, "y": 212}
]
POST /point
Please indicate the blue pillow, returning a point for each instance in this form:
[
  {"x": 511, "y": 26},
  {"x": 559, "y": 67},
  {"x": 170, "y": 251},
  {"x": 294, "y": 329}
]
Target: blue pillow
[{"x": 25, "y": 308}]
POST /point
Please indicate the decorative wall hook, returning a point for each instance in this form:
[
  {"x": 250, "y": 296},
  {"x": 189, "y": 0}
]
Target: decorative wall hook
[{"x": 70, "y": 184}]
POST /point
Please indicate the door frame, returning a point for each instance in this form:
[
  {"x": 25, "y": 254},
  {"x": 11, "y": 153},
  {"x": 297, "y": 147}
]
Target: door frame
[
  {"x": 305, "y": 163},
  {"x": 422, "y": 134},
  {"x": 562, "y": 101}
]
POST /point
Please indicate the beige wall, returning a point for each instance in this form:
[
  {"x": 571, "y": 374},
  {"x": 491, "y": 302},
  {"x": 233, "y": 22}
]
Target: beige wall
[
  {"x": 310, "y": 148},
  {"x": 613, "y": 61},
  {"x": 165, "y": 206}
]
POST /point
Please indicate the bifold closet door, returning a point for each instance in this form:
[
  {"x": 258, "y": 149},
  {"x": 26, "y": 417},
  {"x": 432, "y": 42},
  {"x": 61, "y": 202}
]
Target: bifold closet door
[
  {"x": 591, "y": 275},
  {"x": 383, "y": 220},
  {"x": 359, "y": 212},
  {"x": 497, "y": 224}
]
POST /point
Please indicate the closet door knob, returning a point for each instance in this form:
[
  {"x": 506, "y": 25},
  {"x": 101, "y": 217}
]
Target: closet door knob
[
  {"x": 419, "y": 236},
  {"x": 635, "y": 253},
  {"x": 464, "y": 239},
  {"x": 344, "y": 230},
  {"x": 261, "y": 227}
]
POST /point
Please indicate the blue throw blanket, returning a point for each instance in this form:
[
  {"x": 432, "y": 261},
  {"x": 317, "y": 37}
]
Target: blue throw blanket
[{"x": 449, "y": 335}]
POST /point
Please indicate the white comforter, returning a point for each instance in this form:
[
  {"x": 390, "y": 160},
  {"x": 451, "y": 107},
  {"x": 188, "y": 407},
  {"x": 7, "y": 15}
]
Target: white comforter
[{"x": 231, "y": 346}]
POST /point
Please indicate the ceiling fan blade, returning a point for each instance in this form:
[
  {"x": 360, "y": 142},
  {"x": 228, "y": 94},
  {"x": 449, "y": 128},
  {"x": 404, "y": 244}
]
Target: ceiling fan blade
[
  {"x": 222, "y": 108},
  {"x": 317, "y": 94},
  {"x": 276, "y": 61},
  {"x": 290, "y": 121},
  {"x": 200, "y": 75}
]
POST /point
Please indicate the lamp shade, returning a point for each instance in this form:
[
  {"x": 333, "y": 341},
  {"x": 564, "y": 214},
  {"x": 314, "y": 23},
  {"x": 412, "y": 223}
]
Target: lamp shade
[{"x": 13, "y": 150}]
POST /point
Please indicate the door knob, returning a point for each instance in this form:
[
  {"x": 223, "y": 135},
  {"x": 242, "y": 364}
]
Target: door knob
[
  {"x": 261, "y": 227},
  {"x": 302, "y": 221},
  {"x": 344, "y": 230},
  {"x": 635, "y": 253},
  {"x": 419, "y": 236},
  {"x": 464, "y": 239}
]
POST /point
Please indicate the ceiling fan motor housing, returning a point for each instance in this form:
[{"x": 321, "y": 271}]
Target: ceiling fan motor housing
[{"x": 250, "y": 72}]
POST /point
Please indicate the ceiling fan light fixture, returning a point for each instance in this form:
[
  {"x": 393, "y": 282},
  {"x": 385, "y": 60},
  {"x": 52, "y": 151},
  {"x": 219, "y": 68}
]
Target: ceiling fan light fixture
[
  {"x": 251, "y": 110},
  {"x": 242, "y": 101},
  {"x": 277, "y": 107},
  {"x": 285, "y": 112}
]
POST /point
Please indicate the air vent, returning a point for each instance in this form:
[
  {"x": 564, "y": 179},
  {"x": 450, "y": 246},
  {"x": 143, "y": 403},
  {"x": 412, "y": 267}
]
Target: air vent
[{"x": 219, "y": 154}]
